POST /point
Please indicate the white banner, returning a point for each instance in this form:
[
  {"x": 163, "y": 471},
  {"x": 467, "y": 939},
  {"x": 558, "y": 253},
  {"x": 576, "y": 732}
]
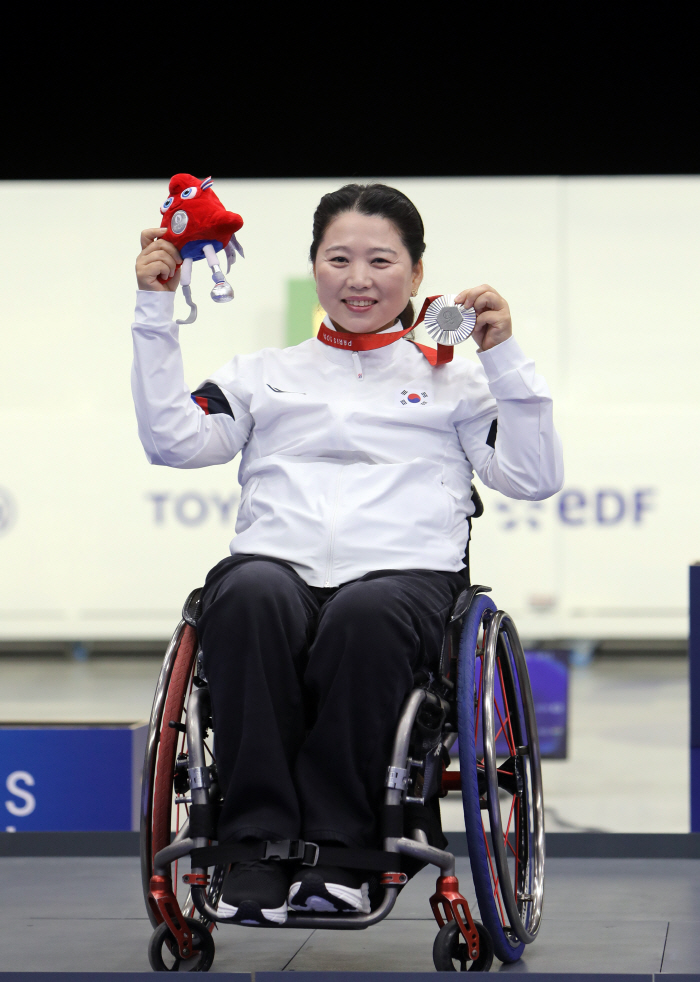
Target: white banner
[{"x": 599, "y": 273}]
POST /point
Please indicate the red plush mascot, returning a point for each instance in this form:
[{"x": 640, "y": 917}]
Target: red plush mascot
[{"x": 199, "y": 226}]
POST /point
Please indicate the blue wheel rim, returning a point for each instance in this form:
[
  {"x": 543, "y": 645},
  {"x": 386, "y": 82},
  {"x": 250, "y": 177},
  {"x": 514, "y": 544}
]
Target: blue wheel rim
[{"x": 504, "y": 948}]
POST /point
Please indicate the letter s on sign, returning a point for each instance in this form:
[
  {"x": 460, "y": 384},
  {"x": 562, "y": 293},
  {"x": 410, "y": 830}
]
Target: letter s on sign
[{"x": 12, "y": 785}]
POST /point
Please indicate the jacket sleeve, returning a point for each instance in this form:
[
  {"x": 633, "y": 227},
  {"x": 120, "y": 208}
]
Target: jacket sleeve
[
  {"x": 176, "y": 428},
  {"x": 512, "y": 444}
]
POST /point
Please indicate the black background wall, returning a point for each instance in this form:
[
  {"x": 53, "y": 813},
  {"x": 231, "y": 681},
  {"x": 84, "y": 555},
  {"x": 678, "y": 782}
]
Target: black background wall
[{"x": 273, "y": 91}]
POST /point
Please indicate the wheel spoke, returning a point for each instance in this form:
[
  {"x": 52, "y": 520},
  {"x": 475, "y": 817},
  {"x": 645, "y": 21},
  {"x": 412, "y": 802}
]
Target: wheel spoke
[
  {"x": 494, "y": 878},
  {"x": 506, "y": 707},
  {"x": 510, "y": 819},
  {"x": 503, "y": 726},
  {"x": 497, "y": 895}
]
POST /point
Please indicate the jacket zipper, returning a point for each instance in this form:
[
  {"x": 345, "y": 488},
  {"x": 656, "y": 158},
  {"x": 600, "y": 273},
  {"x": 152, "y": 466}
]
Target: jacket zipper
[{"x": 331, "y": 539}]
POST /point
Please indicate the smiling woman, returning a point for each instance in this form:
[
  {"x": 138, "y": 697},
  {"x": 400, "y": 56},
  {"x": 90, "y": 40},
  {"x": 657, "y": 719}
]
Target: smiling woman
[
  {"x": 367, "y": 254},
  {"x": 357, "y": 453}
]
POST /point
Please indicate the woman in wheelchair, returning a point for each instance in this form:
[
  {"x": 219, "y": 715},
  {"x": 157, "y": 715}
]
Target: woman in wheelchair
[{"x": 357, "y": 456}]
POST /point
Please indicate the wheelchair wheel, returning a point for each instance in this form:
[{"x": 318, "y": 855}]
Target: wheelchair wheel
[
  {"x": 162, "y": 749},
  {"x": 501, "y": 778},
  {"x": 449, "y": 947},
  {"x": 164, "y": 956}
]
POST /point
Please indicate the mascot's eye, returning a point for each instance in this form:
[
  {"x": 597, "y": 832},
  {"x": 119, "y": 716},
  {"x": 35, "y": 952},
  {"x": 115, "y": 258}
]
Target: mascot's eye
[
  {"x": 188, "y": 193},
  {"x": 166, "y": 204}
]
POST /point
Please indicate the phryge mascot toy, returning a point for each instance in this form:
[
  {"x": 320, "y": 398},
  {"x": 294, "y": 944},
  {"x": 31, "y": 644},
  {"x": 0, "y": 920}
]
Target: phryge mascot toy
[{"x": 199, "y": 226}]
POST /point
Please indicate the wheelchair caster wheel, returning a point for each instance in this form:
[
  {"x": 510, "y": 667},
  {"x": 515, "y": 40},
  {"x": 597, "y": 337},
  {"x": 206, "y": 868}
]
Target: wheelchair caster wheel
[
  {"x": 163, "y": 954},
  {"x": 450, "y": 947}
]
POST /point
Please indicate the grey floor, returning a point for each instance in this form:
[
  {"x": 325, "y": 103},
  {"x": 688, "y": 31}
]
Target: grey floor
[
  {"x": 627, "y": 771},
  {"x": 626, "y": 915}
]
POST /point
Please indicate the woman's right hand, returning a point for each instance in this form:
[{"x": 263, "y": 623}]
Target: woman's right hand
[{"x": 157, "y": 258}]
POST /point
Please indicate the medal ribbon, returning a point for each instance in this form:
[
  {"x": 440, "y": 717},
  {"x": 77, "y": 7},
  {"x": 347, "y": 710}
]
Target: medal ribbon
[{"x": 369, "y": 342}]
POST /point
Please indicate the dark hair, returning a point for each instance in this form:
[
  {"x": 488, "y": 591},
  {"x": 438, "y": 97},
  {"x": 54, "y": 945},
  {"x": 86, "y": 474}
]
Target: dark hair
[{"x": 374, "y": 199}]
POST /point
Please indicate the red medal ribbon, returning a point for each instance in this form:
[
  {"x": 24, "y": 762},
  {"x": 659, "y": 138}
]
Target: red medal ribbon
[{"x": 369, "y": 342}]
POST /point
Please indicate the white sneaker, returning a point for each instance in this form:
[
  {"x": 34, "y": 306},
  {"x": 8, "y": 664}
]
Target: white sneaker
[{"x": 329, "y": 889}]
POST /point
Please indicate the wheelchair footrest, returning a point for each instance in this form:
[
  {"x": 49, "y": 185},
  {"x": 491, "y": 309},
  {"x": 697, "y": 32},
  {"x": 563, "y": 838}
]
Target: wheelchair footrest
[{"x": 448, "y": 904}]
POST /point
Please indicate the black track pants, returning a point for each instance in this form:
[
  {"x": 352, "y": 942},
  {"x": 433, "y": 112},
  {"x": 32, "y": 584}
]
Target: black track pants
[{"x": 307, "y": 686}]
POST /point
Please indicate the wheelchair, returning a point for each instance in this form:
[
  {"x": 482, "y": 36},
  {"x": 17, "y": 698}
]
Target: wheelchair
[{"x": 478, "y": 695}]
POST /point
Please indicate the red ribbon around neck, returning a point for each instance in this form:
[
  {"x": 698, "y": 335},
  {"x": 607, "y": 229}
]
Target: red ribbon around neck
[{"x": 368, "y": 342}]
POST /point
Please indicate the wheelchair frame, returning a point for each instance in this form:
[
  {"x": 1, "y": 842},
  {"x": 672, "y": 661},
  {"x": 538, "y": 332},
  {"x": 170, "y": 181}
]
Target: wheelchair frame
[{"x": 515, "y": 900}]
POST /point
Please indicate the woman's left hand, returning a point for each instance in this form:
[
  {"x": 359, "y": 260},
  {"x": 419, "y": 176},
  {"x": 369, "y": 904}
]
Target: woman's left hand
[{"x": 493, "y": 323}]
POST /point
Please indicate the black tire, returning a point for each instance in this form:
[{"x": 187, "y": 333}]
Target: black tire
[
  {"x": 450, "y": 947},
  {"x": 202, "y": 944}
]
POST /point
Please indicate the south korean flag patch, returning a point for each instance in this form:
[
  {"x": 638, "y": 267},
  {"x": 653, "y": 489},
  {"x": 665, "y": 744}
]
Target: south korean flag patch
[{"x": 414, "y": 394}]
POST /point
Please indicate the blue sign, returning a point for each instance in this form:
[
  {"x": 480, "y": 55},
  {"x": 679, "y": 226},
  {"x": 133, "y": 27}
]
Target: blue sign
[
  {"x": 549, "y": 680},
  {"x": 65, "y": 779}
]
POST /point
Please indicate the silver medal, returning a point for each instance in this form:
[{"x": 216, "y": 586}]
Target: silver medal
[{"x": 447, "y": 322}]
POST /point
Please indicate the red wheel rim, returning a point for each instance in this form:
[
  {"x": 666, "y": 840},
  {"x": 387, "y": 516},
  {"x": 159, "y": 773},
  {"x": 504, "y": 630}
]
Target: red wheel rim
[{"x": 178, "y": 688}]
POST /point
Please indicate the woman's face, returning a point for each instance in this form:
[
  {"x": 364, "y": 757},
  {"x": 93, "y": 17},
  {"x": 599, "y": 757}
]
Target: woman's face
[{"x": 364, "y": 274}]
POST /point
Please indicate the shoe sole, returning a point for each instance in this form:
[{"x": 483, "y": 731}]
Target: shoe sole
[
  {"x": 331, "y": 898},
  {"x": 249, "y": 912}
]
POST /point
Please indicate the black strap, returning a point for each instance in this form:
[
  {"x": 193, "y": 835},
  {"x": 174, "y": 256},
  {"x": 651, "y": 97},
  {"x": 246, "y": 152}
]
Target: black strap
[
  {"x": 238, "y": 852},
  {"x": 392, "y": 821},
  {"x": 296, "y": 850},
  {"x": 369, "y": 859},
  {"x": 203, "y": 821}
]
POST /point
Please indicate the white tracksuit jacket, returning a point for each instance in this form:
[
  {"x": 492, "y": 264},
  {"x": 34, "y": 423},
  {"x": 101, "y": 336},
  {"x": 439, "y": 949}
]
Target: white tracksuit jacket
[{"x": 340, "y": 475}]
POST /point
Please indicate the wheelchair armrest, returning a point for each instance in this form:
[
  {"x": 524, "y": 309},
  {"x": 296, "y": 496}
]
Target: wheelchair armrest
[
  {"x": 191, "y": 607},
  {"x": 465, "y": 600}
]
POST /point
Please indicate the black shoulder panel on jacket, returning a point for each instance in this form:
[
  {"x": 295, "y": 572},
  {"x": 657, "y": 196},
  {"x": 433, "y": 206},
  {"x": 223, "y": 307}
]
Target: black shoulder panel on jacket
[
  {"x": 212, "y": 400},
  {"x": 491, "y": 438}
]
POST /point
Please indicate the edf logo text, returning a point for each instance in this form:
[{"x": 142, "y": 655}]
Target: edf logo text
[
  {"x": 607, "y": 506},
  {"x": 575, "y": 507}
]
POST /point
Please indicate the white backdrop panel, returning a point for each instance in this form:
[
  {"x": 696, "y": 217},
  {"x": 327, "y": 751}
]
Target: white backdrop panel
[{"x": 95, "y": 543}]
